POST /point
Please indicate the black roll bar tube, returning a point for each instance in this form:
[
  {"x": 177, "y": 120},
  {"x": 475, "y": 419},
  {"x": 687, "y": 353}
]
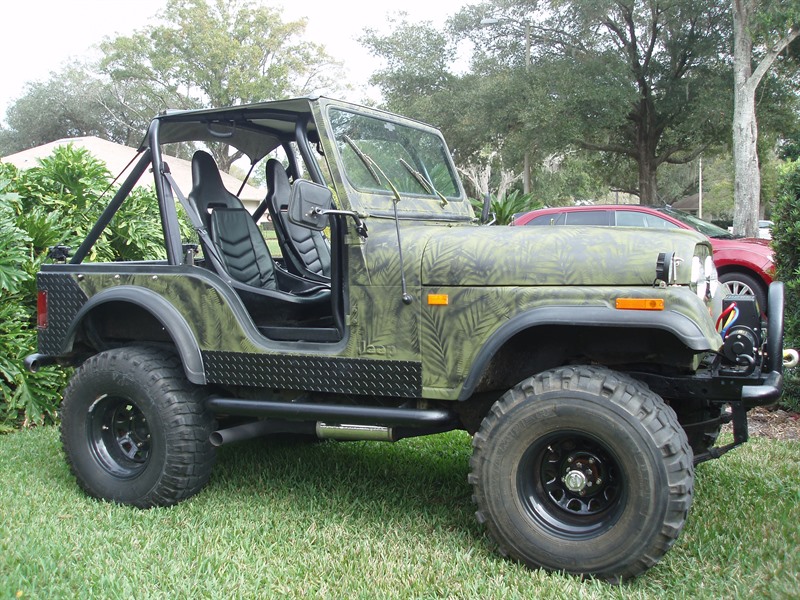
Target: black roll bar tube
[{"x": 112, "y": 208}]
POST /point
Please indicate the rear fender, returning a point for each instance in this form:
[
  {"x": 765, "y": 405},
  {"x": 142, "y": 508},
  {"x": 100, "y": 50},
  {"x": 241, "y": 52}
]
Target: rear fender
[{"x": 173, "y": 322}]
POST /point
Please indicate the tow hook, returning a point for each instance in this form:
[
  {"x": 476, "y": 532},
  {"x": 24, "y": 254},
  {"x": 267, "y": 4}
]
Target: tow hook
[{"x": 790, "y": 358}]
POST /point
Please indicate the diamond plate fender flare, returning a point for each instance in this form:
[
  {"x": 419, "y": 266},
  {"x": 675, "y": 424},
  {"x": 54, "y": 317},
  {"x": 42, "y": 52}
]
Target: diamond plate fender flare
[{"x": 169, "y": 317}]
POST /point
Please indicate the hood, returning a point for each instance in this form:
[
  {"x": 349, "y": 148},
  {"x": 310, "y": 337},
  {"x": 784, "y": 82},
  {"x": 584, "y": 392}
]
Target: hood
[{"x": 554, "y": 256}]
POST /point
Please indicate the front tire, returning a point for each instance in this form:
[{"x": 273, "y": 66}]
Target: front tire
[
  {"x": 134, "y": 430},
  {"x": 582, "y": 470}
]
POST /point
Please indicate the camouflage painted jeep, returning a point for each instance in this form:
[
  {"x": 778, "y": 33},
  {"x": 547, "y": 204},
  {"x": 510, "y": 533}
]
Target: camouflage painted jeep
[{"x": 593, "y": 366}]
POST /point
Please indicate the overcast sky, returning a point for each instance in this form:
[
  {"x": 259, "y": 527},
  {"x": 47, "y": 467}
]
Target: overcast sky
[{"x": 40, "y": 36}]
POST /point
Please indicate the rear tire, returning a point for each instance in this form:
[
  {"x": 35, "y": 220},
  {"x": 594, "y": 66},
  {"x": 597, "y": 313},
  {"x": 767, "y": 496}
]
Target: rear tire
[
  {"x": 134, "y": 430},
  {"x": 583, "y": 470}
]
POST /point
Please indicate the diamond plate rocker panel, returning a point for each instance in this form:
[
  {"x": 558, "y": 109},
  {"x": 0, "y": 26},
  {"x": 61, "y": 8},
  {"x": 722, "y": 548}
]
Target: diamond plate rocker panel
[{"x": 316, "y": 374}]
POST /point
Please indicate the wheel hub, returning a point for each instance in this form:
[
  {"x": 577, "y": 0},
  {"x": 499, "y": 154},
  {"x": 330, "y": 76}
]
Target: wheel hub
[
  {"x": 572, "y": 480},
  {"x": 575, "y": 481},
  {"x": 583, "y": 473},
  {"x": 119, "y": 436}
]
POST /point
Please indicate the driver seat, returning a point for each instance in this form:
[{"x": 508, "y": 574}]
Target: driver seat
[
  {"x": 264, "y": 288},
  {"x": 306, "y": 251}
]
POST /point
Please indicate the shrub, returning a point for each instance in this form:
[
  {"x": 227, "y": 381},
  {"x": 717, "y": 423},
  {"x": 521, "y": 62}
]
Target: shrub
[
  {"x": 504, "y": 209},
  {"x": 56, "y": 202},
  {"x": 786, "y": 243},
  {"x": 23, "y": 396}
]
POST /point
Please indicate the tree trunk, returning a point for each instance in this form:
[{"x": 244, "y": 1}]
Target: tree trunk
[
  {"x": 646, "y": 142},
  {"x": 747, "y": 177},
  {"x": 648, "y": 185}
]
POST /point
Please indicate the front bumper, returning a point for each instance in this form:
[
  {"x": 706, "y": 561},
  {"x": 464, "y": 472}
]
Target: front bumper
[{"x": 720, "y": 382}]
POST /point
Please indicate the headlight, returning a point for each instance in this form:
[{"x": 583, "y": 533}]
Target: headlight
[
  {"x": 711, "y": 276},
  {"x": 698, "y": 278},
  {"x": 704, "y": 279}
]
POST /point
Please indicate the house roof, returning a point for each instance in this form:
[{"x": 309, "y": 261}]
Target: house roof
[{"x": 116, "y": 156}]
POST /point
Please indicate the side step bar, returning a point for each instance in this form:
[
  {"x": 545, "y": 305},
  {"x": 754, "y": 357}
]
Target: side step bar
[
  {"x": 331, "y": 413},
  {"x": 328, "y": 421}
]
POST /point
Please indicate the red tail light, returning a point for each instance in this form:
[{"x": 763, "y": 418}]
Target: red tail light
[{"x": 41, "y": 309}]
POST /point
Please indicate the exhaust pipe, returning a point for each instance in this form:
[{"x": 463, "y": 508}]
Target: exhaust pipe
[
  {"x": 326, "y": 431},
  {"x": 254, "y": 429},
  {"x": 34, "y": 362}
]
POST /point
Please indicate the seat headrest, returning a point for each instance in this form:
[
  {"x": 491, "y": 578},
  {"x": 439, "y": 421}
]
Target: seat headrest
[
  {"x": 278, "y": 187},
  {"x": 207, "y": 186}
]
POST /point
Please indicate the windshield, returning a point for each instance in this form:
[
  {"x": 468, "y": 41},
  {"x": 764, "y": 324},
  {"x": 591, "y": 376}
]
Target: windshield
[
  {"x": 704, "y": 227},
  {"x": 378, "y": 154}
]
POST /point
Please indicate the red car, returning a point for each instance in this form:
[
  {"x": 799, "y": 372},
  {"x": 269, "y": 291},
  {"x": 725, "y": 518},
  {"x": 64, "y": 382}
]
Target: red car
[{"x": 744, "y": 265}]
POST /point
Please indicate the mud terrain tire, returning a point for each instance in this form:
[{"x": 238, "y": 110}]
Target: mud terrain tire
[
  {"x": 584, "y": 470},
  {"x": 134, "y": 430}
]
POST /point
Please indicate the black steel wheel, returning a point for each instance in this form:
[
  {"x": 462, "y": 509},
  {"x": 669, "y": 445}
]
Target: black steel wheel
[
  {"x": 118, "y": 436},
  {"x": 134, "y": 430},
  {"x": 582, "y": 470},
  {"x": 570, "y": 484}
]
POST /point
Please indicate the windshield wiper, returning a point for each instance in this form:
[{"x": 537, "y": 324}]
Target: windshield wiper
[
  {"x": 423, "y": 181},
  {"x": 368, "y": 162}
]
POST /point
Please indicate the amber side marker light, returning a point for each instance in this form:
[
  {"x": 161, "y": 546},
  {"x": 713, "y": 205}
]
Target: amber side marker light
[
  {"x": 640, "y": 303},
  {"x": 438, "y": 299}
]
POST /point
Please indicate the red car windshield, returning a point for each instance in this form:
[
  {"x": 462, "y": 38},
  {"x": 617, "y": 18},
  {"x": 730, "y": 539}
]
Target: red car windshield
[{"x": 704, "y": 227}]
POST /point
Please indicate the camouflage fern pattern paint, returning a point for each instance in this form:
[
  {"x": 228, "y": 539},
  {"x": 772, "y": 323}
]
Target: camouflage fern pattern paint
[{"x": 593, "y": 365}]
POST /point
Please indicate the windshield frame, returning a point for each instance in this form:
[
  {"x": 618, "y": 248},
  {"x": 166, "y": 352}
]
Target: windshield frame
[{"x": 408, "y": 138}]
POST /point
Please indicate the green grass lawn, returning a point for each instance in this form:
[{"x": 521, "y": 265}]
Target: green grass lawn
[{"x": 364, "y": 520}]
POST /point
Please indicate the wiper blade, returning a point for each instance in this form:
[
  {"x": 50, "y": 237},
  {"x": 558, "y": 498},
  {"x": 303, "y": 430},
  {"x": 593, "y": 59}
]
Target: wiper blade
[
  {"x": 368, "y": 162},
  {"x": 423, "y": 181},
  {"x": 373, "y": 167}
]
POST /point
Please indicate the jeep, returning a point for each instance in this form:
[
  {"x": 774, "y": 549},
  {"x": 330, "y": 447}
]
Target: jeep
[{"x": 593, "y": 367}]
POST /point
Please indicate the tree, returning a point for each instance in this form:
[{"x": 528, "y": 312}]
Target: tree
[
  {"x": 482, "y": 114},
  {"x": 638, "y": 80},
  {"x": 418, "y": 59},
  {"x": 215, "y": 53},
  {"x": 71, "y": 103},
  {"x": 767, "y": 28}
]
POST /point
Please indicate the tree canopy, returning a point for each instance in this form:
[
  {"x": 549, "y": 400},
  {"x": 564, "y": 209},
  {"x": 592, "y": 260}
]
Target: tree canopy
[
  {"x": 637, "y": 81},
  {"x": 200, "y": 53}
]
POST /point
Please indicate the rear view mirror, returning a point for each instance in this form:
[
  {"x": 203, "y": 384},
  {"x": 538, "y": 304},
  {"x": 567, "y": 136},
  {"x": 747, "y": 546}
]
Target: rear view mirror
[{"x": 309, "y": 204}]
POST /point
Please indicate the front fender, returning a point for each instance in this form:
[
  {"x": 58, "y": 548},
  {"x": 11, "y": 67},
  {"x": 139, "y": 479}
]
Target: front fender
[{"x": 675, "y": 323}]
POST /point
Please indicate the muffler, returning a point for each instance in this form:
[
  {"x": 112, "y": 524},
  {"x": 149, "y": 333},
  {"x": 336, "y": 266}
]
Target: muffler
[{"x": 370, "y": 433}]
